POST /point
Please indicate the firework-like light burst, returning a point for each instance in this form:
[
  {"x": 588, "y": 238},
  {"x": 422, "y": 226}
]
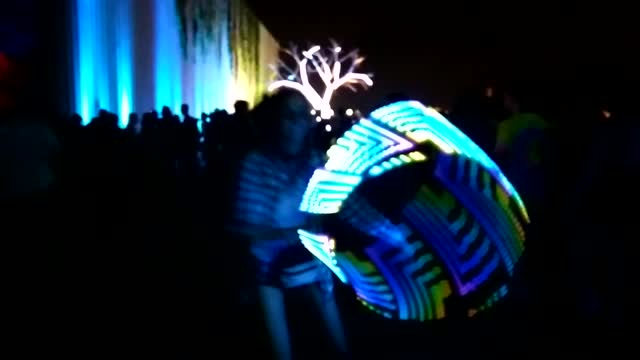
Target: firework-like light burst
[{"x": 334, "y": 68}]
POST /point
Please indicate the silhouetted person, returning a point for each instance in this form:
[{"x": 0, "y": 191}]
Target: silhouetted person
[
  {"x": 241, "y": 108},
  {"x": 184, "y": 110},
  {"x": 476, "y": 115},
  {"x": 188, "y": 141},
  {"x": 236, "y": 133},
  {"x": 134, "y": 126},
  {"x": 521, "y": 139},
  {"x": 167, "y": 114},
  {"x": 271, "y": 183},
  {"x": 75, "y": 121}
]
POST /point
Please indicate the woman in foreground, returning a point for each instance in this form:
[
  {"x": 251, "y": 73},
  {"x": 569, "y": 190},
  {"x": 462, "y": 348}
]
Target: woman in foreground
[{"x": 270, "y": 186}]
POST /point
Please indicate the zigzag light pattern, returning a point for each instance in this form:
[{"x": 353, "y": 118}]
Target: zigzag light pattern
[
  {"x": 327, "y": 190},
  {"x": 470, "y": 230},
  {"x": 397, "y": 161},
  {"x": 322, "y": 246},
  {"x": 421, "y": 124},
  {"x": 365, "y": 145}
]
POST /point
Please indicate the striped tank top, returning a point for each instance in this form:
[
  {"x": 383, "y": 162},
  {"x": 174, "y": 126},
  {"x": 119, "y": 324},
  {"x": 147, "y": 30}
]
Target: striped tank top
[{"x": 268, "y": 194}]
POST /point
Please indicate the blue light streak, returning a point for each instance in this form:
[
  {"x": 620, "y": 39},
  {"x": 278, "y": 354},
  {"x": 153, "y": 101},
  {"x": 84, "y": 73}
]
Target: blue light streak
[
  {"x": 110, "y": 72},
  {"x": 168, "y": 54}
]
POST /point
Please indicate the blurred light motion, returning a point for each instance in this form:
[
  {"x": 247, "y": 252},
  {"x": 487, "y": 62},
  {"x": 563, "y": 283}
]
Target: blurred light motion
[
  {"x": 362, "y": 146},
  {"x": 463, "y": 231},
  {"x": 394, "y": 162},
  {"x": 124, "y": 57},
  {"x": 103, "y": 58},
  {"x": 168, "y": 58},
  {"x": 498, "y": 218},
  {"x": 253, "y": 50},
  {"x": 328, "y": 65},
  {"x": 421, "y": 124},
  {"x": 202, "y": 66},
  {"x": 322, "y": 247},
  {"x": 606, "y": 114},
  {"x": 327, "y": 128},
  {"x": 327, "y": 190},
  {"x": 349, "y": 112},
  {"x": 492, "y": 300},
  {"x": 128, "y": 57}
]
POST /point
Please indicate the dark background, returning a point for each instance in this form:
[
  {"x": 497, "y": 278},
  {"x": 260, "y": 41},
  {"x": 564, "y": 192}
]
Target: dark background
[
  {"x": 429, "y": 50},
  {"x": 432, "y": 50},
  {"x": 33, "y": 34}
]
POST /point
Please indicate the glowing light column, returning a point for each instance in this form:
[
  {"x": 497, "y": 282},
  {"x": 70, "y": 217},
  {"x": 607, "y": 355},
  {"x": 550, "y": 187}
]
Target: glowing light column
[
  {"x": 83, "y": 55},
  {"x": 328, "y": 65},
  {"x": 103, "y": 27},
  {"x": 124, "y": 58},
  {"x": 168, "y": 57}
]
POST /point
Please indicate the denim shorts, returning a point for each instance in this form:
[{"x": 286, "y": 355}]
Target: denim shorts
[{"x": 289, "y": 266}]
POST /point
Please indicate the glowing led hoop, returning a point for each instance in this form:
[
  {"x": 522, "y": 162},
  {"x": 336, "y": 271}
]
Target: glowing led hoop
[
  {"x": 368, "y": 143},
  {"x": 328, "y": 67},
  {"x": 421, "y": 124},
  {"x": 394, "y": 280}
]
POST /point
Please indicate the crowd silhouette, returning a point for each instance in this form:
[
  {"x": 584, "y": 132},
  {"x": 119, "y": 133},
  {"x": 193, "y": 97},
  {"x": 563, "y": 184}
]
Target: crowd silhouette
[{"x": 121, "y": 230}]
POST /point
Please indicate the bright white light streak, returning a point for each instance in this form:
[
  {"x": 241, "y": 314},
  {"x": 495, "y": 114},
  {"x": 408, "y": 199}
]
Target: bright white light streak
[{"x": 328, "y": 66}]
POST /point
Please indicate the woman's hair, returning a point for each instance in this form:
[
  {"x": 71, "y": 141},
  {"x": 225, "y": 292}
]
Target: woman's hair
[
  {"x": 269, "y": 112},
  {"x": 283, "y": 98},
  {"x": 263, "y": 119}
]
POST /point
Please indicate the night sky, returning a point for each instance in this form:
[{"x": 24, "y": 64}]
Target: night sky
[{"x": 434, "y": 50}]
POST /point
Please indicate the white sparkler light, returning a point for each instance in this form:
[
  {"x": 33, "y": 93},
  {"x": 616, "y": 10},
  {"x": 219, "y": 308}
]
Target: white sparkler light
[{"x": 328, "y": 65}]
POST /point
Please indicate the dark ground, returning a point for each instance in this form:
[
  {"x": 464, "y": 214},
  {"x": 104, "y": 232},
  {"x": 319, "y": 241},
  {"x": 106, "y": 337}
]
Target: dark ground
[{"x": 124, "y": 263}]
